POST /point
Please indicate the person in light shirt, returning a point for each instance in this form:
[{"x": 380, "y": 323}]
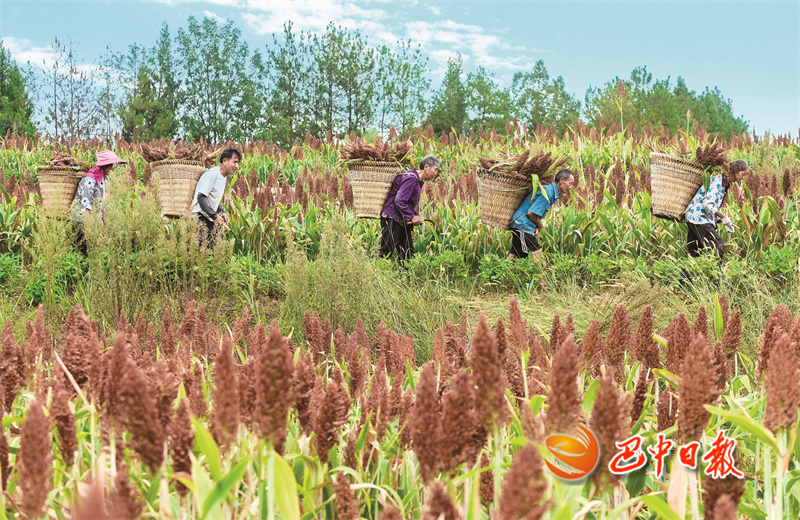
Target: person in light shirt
[
  {"x": 207, "y": 201},
  {"x": 704, "y": 212}
]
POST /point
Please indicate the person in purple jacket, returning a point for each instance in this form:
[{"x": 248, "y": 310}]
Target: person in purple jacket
[{"x": 400, "y": 212}]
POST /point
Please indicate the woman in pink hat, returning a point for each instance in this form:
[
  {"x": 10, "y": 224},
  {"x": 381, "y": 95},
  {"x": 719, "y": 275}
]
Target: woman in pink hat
[{"x": 92, "y": 186}]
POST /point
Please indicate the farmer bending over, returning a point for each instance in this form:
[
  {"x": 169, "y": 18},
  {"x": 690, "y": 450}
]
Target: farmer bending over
[
  {"x": 400, "y": 212},
  {"x": 528, "y": 220},
  {"x": 208, "y": 196},
  {"x": 703, "y": 212},
  {"x": 91, "y": 192}
]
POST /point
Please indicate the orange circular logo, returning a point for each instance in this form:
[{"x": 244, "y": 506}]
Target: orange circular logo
[{"x": 577, "y": 452}]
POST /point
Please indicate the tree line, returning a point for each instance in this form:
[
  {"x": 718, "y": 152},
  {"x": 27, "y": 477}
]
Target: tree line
[{"x": 206, "y": 82}]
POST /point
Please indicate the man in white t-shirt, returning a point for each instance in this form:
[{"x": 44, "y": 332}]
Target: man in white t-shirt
[{"x": 208, "y": 195}]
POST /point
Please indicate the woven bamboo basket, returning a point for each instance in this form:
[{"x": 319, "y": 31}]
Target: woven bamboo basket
[
  {"x": 58, "y": 185},
  {"x": 499, "y": 196},
  {"x": 177, "y": 180},
  {"x": 371, "y": 181},
  {"x": 673, "y": 181}
]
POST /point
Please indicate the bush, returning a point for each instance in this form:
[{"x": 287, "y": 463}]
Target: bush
[
  {"x": 448, "y": 267},
  {"x": 9, "y": 267},
  {"x": 514, "y": 275},
  {"x": 338, "y": 283}
]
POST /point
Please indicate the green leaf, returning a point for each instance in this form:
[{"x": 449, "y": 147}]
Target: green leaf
[
  {"x": 590, "y": 396},
  {"x": 747, "y": 424},
  {"x": 717, "y": 318},
  {"x": 668, "y": 376},
  {"x": 204, "y": 443},
  {"x": 656, "y": 504},
  {"x": 634, "y": 482},
  {"x": 285, "y": 489},
  {"x": 224, "y": 486},
  {"x": 202, "y": 488}
]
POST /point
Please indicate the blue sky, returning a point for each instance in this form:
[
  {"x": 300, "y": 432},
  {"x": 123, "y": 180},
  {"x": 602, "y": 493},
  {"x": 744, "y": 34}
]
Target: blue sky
[{"x": 750, "y": 50}]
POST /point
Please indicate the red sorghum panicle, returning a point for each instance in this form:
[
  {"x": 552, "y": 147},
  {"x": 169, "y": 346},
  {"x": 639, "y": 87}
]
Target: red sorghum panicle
[
  {"x": 391, "y": 512},
  {"x": 487, "y": 374},
  {"x": 356, "y": 365},
  {"x": 274, "y": 377},
  {"x": 406, "y": 418},
  {"x": 455, "y": 347},
  {"x": 458, "y": 422},
  {"x": 784, "y": 316},
  {"x": 783, "y": 385},
  {"x": 339, "y": 339},
  {"x": 378, "y": 401},
  {"x": 150, "y": 343},
  {"x": 767, "y": 341},
  {"x": 677, "y": 344},
  {"x": 732, "y": 335},
  {"x": 346, "y": 508},
  {"x": 426, "y": 425},
  {"x": 701, "y": 323},
  {"x": 487, "y": 481},
  {"x": 610, "y": 422},
  {"x": 532, "y": 424},
  {"x": 720, "y": 367},
  {"x": 303, "y": 388},
  {"x": 715, "y": 489},
  {"x": 513, "y": 375},
  {"x": 92, "y": 506},
  {"x": 12, "y": 365},
  {"x": 618, "y": 341},
  {"x": 639, "y": 395},
  {"x": 64, "y": 422},
  {"x": 147, "y": 437},
  {"x": 439, "y": 505},
  {"x": 180, "y": 444},
  {"x": 33, "y": 461},
  {"x": 247, "y": 391},
  {"x": 438, "y": 348},
  {"x": 518, "y": 329},
  {"x": 564, "y": 398},
  {"x": 555, "y": 328},
  {"x": 592, "y": 349},
  {"x": 645, "y": 346},
  {"x": 697, "y": 388},
  {"x": 329, "y": 417},
  {"x": 500, "y": 338},
  {"x": 193, "y": 383},
  {"x": 125, "y": 503},
  {"x": 226, "y": 395},
  {"x": 524, "y": 486},
  {"x": 167, "y": 336}
]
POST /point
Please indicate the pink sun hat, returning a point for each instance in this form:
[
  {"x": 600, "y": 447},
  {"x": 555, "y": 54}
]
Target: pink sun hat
[{"x": 107, "y": 157}]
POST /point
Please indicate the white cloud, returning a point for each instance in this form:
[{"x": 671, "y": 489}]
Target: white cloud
[
  {"x": 24, "y": 51},
  {"x": 214, "y": 16},
  {"x": 384, "y": 23}
]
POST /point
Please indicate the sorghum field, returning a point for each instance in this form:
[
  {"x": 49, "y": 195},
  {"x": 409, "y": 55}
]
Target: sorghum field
[{"x": 292, "y": 374}]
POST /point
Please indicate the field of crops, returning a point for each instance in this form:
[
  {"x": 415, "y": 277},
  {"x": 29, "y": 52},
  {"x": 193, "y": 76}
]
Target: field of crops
[{"x": 290, "y": 374}]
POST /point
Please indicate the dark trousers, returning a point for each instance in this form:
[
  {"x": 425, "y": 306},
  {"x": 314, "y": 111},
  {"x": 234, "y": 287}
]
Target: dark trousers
[
  {"x": 205, "y": 232},
  {"x": 396, "y": 236},
  {"x": 523, "y": 244},
  {"x": 702, "y": 236}
]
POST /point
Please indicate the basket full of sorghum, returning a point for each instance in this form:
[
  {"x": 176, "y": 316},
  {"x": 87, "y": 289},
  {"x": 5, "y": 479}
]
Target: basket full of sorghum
[
  {"x": 176, "y": 169},
  {"x": 372, "y": 170},
  {"x": 504, "y": 182},
  {"x": 674, "y": 180},
  {"x": 58, "y": 181}
]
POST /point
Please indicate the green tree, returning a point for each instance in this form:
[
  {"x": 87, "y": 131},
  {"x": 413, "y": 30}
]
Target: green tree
[
  {"x": 149, "y": 86},
  {"x": 540, "y": 100},
  {"x": 488, "y": 104},
  {"x": 410, "y": 85},
  {"x": 16, "y": 108},
  {"x": 449, "y": 110},
  {"x": 288, "y": 71},
  {"x": 221, "y": 98},
  {"x": 642, "y": 101}
]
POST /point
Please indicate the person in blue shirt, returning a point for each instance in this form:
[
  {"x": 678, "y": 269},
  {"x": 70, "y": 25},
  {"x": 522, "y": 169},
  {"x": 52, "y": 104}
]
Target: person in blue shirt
[
  {"x": 704, "y": 212},
  {"x": 528, "y": 220}
]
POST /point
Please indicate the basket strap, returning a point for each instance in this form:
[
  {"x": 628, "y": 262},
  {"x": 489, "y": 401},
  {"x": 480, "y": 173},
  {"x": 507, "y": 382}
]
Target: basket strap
[{"x": 500, "y": 189}]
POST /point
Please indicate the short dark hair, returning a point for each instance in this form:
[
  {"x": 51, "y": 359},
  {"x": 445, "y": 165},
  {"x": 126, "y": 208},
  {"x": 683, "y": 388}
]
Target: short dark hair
[
  {"x": 429, "y": 161},
  {"x": 230, "y": 152},
  {"x": 563, "y": 174},
  {"x": 739, "y": 165}
]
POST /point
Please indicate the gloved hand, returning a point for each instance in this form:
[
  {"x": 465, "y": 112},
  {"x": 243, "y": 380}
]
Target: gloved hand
[{"x": 729, "y": 225}]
